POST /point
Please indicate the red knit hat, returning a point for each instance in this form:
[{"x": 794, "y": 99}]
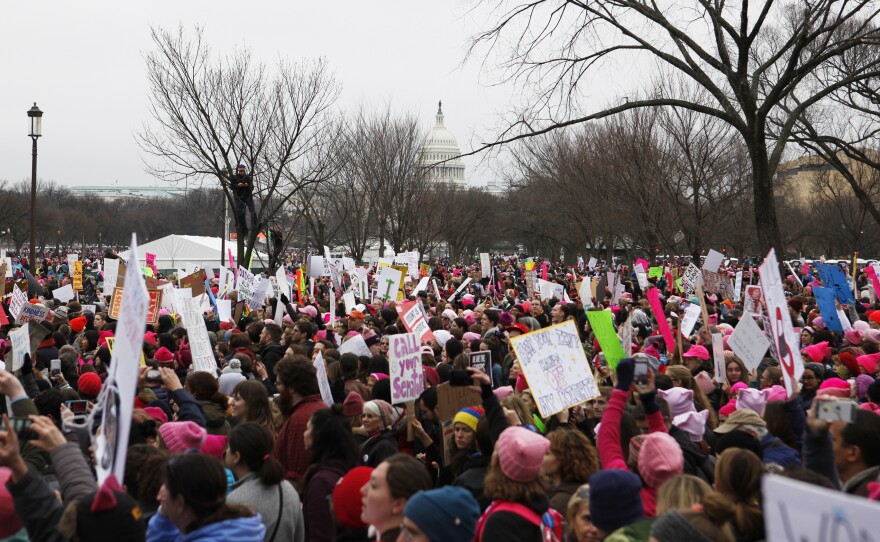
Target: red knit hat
[
  {"x": 347, "y": 497},
  {"x": 9, "y": 520},
  {"x": 850, "y": 362},
  {"x": 163, "y": 355},
  {"x": 874, "y": 316},
  {"x": 78, "y": 324},
  {"x": 89, "y": 384}
]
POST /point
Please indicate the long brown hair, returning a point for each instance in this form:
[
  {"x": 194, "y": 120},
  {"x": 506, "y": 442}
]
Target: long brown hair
[
  {"x": 201, "y": 480},
  {"x": 256, "y": 399},
  {"x": 738, "y": 487}
]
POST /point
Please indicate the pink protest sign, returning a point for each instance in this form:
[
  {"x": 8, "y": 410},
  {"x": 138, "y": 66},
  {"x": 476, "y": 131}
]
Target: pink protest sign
[
  {"x": 654, "y": 298},
  {"x": 644, "y": 263},
  {"x": 544, "y": 270},
  {"x": 872, "y": 274}
]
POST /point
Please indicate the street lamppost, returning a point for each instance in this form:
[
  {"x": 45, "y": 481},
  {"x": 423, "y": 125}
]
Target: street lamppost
[{"x": 36, "y": 121}]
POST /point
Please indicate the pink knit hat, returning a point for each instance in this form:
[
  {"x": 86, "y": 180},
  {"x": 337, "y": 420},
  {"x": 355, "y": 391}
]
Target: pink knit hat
[
  {"x": 872, "y": 335},
  {"x": 182, "y": 437},
  {"x": 214, "y": 446},
  {"x": 736, "y": 388},
  {"x": 693, "y": 423},
  {"x": 752, "y": 399},
  {"x": 818, "y": 352},
  {"x": 680, "y": 400},
  {"x": 869, "y": 362},
  {"x": 854, "y": 337},
  {"x": 660, "y": 459},
  {"x": 705, "y": 382},
  {"x": 728, "y": 409},
  {"x": 834, "y": 387},
  {"x": 777, "y": 393},
  {"x": 697, "y": 351},
  {"x": 521, "y": 453}
]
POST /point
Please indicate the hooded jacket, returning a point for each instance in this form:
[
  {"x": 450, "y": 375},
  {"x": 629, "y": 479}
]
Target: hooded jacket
[{"x": 247, "y": 529}]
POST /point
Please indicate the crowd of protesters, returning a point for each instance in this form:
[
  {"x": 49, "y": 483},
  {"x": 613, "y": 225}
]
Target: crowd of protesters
[{"x": 253, "y": 452}]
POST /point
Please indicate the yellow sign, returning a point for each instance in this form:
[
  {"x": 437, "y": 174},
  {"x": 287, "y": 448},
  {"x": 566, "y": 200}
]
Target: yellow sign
[
  {"x": 77, "y": 276},
  {"x": 111, "y": 340}
]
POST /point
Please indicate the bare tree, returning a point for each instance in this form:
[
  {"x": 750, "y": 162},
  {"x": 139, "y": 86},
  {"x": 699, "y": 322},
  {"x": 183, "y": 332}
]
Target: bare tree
[
  {"x": 208, "y": 113},
  {"x": 751, "y": 60}
]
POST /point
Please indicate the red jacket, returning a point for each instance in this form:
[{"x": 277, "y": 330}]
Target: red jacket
[
  {"x": 290, "y": 449},
  {"x": 608, "y": 443}
]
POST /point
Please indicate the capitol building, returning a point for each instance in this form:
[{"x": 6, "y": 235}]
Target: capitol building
[{"x": 442, "y": 154}]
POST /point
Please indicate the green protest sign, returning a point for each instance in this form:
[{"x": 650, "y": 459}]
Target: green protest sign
[{"x": 603, "y": 328}]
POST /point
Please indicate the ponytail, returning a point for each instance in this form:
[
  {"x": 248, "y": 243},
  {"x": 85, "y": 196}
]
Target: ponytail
[
  {"x": 746, "y": 518},
  {"x": 253, "y": 442}
]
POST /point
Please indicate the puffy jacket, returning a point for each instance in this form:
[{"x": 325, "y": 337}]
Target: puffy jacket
[{"x": 246, "y": 529}]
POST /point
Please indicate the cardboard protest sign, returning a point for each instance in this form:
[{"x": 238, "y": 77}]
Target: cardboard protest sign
[
  {"x": 713, "y": 261},
  {"x": 32, "y": 313},
  {"x": 827, "y": 308},
  {"x": 17, "y": 301},
  {"x": 77, "y": 275},
  {"x": 195, "y": 281},
  {"x": 21, "y": 345},
  {"x": 64, "y": 294},
  {"x": 657, "y": 308},
  {"x": 355, "y": 345},
  {"x": 690, "y": 279},
  {"x": 691, "y": 315},
  {"x": 802, "y": 512},
  {"x": 556, "y": 367},
  {"x": 754, "y": 299},
  {"x": 196, "y": 332},
  {"x": 155, "y": 297},
  {"x": 482, "y": 360},
  {"x": 715, "y": 283},
  {"x": 451, "y": 399},
  {"x": 718, "y": 357},
  {"x": 603, "y": 327},
  {"x": 748, "y": 342},
  {"x": 485, "y": 265},
  {"x": 784, "y": 338},
  {"x": 116, "y": 400},
  {"x": 410, "y": 313},
  {"x": 323, "y": 380},
  {"x": 405, "y": 364}
]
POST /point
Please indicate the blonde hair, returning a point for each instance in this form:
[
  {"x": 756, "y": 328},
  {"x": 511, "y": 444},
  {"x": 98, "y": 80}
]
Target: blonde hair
[
  {"x": 516, "y": 404},
  {"x": 581, "y": 497},
  {"x": 680, "y": 493}
]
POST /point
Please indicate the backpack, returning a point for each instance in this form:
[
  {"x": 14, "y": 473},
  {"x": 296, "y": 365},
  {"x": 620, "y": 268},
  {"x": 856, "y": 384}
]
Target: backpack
[{"x": 552, "y": 523}]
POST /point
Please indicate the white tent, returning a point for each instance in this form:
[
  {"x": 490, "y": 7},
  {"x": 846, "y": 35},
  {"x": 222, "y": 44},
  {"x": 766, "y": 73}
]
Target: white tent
[{"x": 176, "y": 251}]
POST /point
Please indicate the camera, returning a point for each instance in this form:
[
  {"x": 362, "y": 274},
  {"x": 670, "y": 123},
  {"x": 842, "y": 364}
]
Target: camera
[
  {"x": 640, "y": 375},
  {"x": 154, "y": 376}
]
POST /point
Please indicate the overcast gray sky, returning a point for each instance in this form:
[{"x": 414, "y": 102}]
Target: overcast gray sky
[{"x": 82, "y": 62}]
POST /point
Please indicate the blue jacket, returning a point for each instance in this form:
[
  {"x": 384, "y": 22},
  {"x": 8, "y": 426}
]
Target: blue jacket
[
  {"x": 775, "y": 451},
  {"x": 249, "y": 529}
]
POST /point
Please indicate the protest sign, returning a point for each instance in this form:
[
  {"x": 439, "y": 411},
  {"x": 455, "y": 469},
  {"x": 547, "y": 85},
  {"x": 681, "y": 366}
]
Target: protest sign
[
  {"x": 844, "y": 320},
  {"x": 655, "y": 272},
  {"x": 482, "y": 360},
  {"x": 753, "y": 301},
  {"x": 460, "y": 289},
  {"x": 531, "y": 282},
  {"x": 585, "y": 293},
  {"x": 834, "y": 277},
  {"x": 155, "y": 297},
  {"x": 451, "y": 399},
  {"x": 737, "y": 287},
  {"x": 150, "y": 261},
  {"x": 19, "y": 298},
  {"x": 626, "y": 336},
  {"x": 485, "y": 265},
  {"x": 116, "y": 401},
  {"x": 90, "y": 308},
  {"x": 64, "y": 294},
  {"x": 246, "y": 284},
  {"x": 196, "y": 332},
  {"x": 414, "y": 320},
  {"x": 349, "y": 301},
  {"x": 690, "y": 279},
  {"x": 422, "y": 285},
  {"x": 784, "y": 338},
  {"x": 77, "y": 275},
  {"x": 718, "y": 357},
  {"x": 641, "y": 265},
  {"x": 195, "y": 281},
  {"x": 603, "y": 328},
  {"x": 715, "y": 283},
  {"x": 796, "y": 511},
  {"x": 642, "y": 278},
  {"x": 32, "y": 313},
  {"x": 713, "y": 261},
  {"x": 72, "y": 257},
  {"x": 405, "y": 363},
  {"x": 592, "y": 263},
  {"x": 323, "y": 380},
  {"x": 748, "y": 342},
  {"x": 21, "y": 346},
  {"x": 6, "y": 268},
  {"x": 827, "y": 308},
  {"x": 871, "y": 272},
  {"x": 355, "y": 345},
  {"x": 657, "y": 308},
  {"x": 389, "y": 282},
  {"x": 556, "y": 367},
  {"x": 548, "y": 290},
  {"x": 224, "y": 310},
  {"x": 691, "y": 315}
]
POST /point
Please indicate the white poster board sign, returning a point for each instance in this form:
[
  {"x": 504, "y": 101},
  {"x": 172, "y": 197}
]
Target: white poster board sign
[
  {"x": 388, "y": 282},
  {"x": 691, "y": 279},
  {"x": 116, "y": 400},
  {"x": 64, "y": 294},
  {"x": 323, "y": 380},
  {"x": 555, "y": 367},
  {"x": 355, "y": 345},
  {"x": 737, "y": 287},
  {"x": 485, "y": 265},
  {"x": 21, "y": 346},
  {"x": 691, "y": 315},
  {"x": 32, "y": 313},
  {"x": 405, "y": 360},
  {"x": 17, "y": 301},
  {"x": 713, "y": 261},
  {"x": 784, "y": 337},
  {"x": 196, "y": 332},
  {"x": 748, "y": 342},
  {"x": 718, "y": 357},
  {"x": 246, "y": 285},
  {"x": 799, "y": 512}
]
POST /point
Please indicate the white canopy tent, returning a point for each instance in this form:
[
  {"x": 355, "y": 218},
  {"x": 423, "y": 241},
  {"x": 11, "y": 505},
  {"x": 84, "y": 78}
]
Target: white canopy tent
[{"x": 176, "y": 251}]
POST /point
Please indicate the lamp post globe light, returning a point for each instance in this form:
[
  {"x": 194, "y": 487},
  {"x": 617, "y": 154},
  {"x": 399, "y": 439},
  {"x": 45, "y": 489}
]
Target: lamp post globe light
[{"x": 35, "y": 116}]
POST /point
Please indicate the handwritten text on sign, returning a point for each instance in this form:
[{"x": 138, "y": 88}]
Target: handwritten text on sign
[
  {"x": 556, "y": 367},
  {"x": 407, "y": 376}
]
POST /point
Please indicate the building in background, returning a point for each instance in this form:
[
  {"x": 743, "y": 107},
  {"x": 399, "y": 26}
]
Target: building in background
[{"x": 441, "y": 153}]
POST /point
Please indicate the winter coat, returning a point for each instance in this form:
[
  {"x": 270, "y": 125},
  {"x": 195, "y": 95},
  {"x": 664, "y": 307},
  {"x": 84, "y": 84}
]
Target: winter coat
[
  {"x": 378, "y": 448},
  {"x": 246, "y": 529},
  {"x": 320, "y": 524},
  {"x": 263, "y": 499}
]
